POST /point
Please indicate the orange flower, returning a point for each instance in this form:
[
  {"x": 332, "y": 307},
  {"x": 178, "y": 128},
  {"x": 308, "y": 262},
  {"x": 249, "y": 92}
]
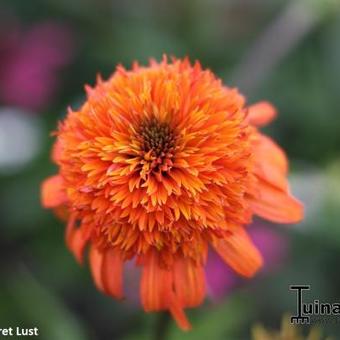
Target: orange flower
[{"x": 160, "y": 163}]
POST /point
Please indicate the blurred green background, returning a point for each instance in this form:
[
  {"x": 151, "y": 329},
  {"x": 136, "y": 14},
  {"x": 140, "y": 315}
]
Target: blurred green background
[{"x": 287, "y": 52}]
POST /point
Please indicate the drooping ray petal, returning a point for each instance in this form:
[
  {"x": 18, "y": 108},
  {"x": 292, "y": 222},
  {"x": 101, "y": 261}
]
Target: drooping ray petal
[
  {"x": 239, "y": 252},
  {"x": 271, "y": 162},
  {"x": 156, "y": 284},
  {"x": 77, "y": 244},
  {"x": 112, "y": 273},
  {"x": 276, "y": 205},
  {"x": 157, "y": 290},
  {"x": 70, "y": 227},
  {"x": 261, "y": 113},
  {"x": 52, "y": 192},
  {"x": 179, "y": 316},
  {"x": 96, "y": 263},
  {"x": 76, "y": 240},
  {"x": 189, "y": 282}
]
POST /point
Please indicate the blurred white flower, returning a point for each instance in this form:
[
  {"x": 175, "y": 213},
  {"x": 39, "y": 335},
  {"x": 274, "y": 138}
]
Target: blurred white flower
[
  {"x": 310, "y": 186},
  {"x": 20, "y": 139}
]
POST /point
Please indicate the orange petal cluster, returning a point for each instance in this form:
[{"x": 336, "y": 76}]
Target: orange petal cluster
[{"x": 159, "y": 164}]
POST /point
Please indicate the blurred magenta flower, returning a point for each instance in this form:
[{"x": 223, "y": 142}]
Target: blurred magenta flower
[
  {"x": 30, "y": 60},
  {"x": 221, "y": 279}
]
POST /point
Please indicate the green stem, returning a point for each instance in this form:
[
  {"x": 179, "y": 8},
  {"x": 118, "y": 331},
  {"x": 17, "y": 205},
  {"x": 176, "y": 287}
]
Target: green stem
[{"x": 162, "y": 326}]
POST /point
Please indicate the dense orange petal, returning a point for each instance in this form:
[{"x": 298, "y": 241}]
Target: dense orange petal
[
  {"x": 276, "y": 205},
  {"x": 239, "y": 252},
  {"x": 189, "y": 282},
  {"x": 112, "y": 273},
  {"x": 52, "y": 192},
  {"x": 261, "y": 113}
]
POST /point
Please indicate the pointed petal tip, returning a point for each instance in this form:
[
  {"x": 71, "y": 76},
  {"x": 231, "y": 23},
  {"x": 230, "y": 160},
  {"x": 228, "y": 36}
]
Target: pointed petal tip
[
  {"x": 239, "y": 252},
  {"x": 52, "y": 193},
  {"x": 96, "y": 263},
  {"x": 278, "y": 206},
  {"x": 261, "y": 113},
  {"x": 180, "y": 318},
  {"x": 297, "y": 212}
]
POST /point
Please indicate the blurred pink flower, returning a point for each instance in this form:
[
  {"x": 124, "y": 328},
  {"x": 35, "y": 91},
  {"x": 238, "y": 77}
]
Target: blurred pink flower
[
  {"x": 273, "y": 246},
  {"x": 30, "y": 60}
]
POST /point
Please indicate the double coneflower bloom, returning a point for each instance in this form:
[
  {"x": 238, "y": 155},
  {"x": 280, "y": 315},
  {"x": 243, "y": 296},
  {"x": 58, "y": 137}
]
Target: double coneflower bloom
[{"x": 162, "y": 164}]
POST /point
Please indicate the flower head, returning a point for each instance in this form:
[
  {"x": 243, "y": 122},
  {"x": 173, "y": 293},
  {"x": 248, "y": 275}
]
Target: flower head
[{"x": 160, "y": 163}]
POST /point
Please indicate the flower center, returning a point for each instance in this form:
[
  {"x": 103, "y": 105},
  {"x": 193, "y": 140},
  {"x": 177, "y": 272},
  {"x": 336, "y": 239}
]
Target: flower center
[{"x": 158, "y": 138}]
